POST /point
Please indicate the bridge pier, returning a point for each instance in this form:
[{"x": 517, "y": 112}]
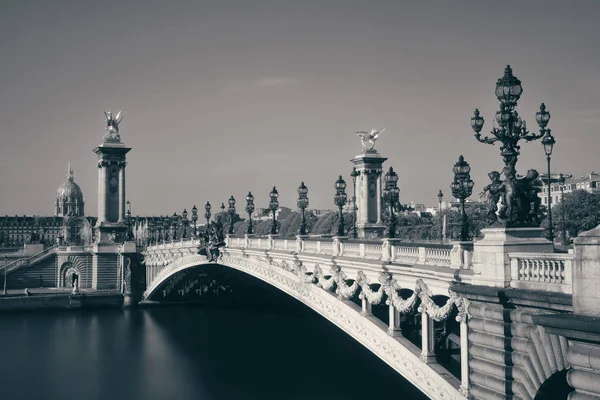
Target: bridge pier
[{"x": 583, "y": 328}]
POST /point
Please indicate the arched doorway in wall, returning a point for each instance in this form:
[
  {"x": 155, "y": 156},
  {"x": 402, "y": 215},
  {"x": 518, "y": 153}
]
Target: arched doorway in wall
[
  {"x": 67, "y": 271},
  {"x": 555, "y": 388}
]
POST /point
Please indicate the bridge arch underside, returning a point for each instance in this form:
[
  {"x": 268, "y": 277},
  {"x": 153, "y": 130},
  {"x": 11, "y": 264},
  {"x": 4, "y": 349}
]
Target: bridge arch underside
[{"x": 398, "y": 352}]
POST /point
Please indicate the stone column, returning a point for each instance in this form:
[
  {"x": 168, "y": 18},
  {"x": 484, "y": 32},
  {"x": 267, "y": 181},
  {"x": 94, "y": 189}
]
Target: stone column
[
  {"x": 464, "y": 357},
  {"x": 368, "y": 199},
  {"x": 427, "y": 338},
  {"x": 122, "y": 198},
  {"x": 366, "y": 306},
  {"x": 101, "y": 192},
  {"x": 394, "y": 321}
]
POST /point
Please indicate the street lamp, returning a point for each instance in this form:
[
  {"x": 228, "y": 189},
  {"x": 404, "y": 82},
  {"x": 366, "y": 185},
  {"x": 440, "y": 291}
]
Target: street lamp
[
  {"x": 354, "y": 174},
  {"x": 274, "y": 206},
  {"x": 462, "y": 187},
  {"x": 174, "y": 226},
  {"x": 440, "y": 196},
  {"x": 340, "y": 200},
  {"x": 184, "y": 223},
  {"x": 207, "y": 208},
  {"x": 249, "y": 210},
  {"x": 390, "y": 195},
  {"x": 231, "y": 213},
  {"x": 194, "y": 220},
  {"x": 561, "y": 182},
  {"x": 548, "y": 142},
  {"x": 129, "y": 235},
  {"x": 302, "y": 205},
  {"x": 510, "y": 130},
  {"x": 222, "y": 215}
]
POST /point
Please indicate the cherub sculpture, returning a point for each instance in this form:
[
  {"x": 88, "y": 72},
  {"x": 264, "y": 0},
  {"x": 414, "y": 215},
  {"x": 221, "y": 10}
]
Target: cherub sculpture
[
  {"x": 368, "y": 138},
  {"x": 491, "y": 195},
  {"x": 112, "y": 125}
]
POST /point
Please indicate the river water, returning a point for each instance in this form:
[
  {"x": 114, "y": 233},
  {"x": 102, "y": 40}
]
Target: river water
[{"x": 278, "y": 349}]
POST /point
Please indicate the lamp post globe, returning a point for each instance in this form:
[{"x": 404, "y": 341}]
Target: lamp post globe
[
  {"x": 274, "y": 206},
  {"x": 249, "y": 210},
  {"x": 302, "y": 205},
  {"x": 340, "y": 200}
]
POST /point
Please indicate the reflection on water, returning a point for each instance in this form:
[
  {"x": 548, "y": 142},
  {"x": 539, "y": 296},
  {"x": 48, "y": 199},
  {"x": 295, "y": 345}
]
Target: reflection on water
[{"x": 189, "y": 352}]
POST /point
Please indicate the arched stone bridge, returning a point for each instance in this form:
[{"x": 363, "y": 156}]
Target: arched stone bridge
[{"x": 501, "y": 351}]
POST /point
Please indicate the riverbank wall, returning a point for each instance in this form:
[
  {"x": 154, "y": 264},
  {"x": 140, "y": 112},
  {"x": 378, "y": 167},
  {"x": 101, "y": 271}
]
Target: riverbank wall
[{"x": 61, "y": 301}]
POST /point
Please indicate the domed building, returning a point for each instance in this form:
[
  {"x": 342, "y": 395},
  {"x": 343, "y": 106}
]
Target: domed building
[
  {"x": 69, "y": 198},
  {"x": 68, "y": 225}
]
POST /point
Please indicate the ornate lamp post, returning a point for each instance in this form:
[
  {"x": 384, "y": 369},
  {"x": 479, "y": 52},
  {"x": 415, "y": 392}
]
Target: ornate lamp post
[
  {"x": 222, "y": 212},
  {"x": 231, "y": 213},
  {"x": 548, "y": 142},
  {"x": 340, "y": 200},
  {"x": 302, "y": 205},
  {"x": 274, "y": 206},
  {"x": 390, "y": 195},
  {"x": 184, "y": 223},
  {"x": 354, "y": 174},
  {"x": 194, "y": 220},
  {"x": 511, "y": 129},
  {"x": 561, "y": 182},
  {"x": 129, "y": 235},
  {"x": 174, "y": 225},
  {"x": 207, "y": 208},
  {"x": 440, "y": 196},
  {"x": 249, "y": 210},
  {"x": 462, "y": 187}
]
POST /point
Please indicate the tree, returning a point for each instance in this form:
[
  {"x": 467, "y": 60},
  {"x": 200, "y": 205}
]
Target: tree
[{"x": 582, "y": 213}]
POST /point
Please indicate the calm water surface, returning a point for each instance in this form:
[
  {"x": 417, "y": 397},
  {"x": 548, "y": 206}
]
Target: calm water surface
[{"x": 189, "y": 352}]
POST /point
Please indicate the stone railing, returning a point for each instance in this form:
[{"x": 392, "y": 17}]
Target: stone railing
[
  {"x": 30, "y": 260},
  {"x": 456, "y": 255},
  {"x": 75, "y": 249},
  {"x": 542, "y": 271}
]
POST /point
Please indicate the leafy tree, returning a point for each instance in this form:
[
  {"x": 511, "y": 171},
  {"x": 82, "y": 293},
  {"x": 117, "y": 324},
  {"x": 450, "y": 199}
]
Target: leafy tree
[{"x": 582, "y": 213}]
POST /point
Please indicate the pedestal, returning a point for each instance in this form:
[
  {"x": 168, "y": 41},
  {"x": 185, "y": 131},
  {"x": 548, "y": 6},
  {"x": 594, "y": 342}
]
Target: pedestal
[
  {"x": 491, "y": 263},
  {"x": 369, "y": 194}
]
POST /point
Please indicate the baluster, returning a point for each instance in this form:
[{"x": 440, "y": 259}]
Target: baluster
[
  {"x": 464, "y": 357},
  {"x": 427, "y": 338},
  {"x": 394, "y": 329}
]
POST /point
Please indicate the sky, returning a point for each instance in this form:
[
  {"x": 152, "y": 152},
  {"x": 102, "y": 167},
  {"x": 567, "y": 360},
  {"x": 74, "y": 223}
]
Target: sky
[{"x": 226, "y": 97}]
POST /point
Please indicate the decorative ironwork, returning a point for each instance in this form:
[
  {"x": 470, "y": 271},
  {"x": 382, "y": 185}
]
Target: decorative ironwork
[
  {"x": 184, "y": 223},
  {"x": 274, "y": 206},
  {"x": 391, "y": 195},
  {"x": 302, "y": 205},
  {"x": 207, "y": 208},
  {"x": 440, "y": 196},
  {"x": 520, "y": 203},
  {"x": 340, "y": 200},
  {"x": 174, "y": 225},
  {"x": 231, "y": 212},
  {"x": 548, "y": 143},
  {"x": 249, "y": 210},
  {"x": 462, "y": 187},
  {"x": 195, "y": 220}
]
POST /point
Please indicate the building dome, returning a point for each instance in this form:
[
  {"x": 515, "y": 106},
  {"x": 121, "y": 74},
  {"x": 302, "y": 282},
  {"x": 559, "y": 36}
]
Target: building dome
[{"x": 69, "y": 197}]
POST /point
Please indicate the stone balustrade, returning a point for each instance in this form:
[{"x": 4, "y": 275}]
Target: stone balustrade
[
  {"x": 542, "y": 271},
  {"x": 456, "y": 255}
]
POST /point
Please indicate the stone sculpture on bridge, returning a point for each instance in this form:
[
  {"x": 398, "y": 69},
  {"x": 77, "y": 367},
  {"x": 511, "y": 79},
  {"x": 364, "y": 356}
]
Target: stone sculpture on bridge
[
  {"x": 369, "y": 138},
  {"x": 112, "y": 126}
]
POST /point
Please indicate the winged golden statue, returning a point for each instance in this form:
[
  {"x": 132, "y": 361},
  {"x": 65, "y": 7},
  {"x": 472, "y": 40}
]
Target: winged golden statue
[
  {"x": 112, "y": 125},
  {"x": 368, "y": 138}
]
